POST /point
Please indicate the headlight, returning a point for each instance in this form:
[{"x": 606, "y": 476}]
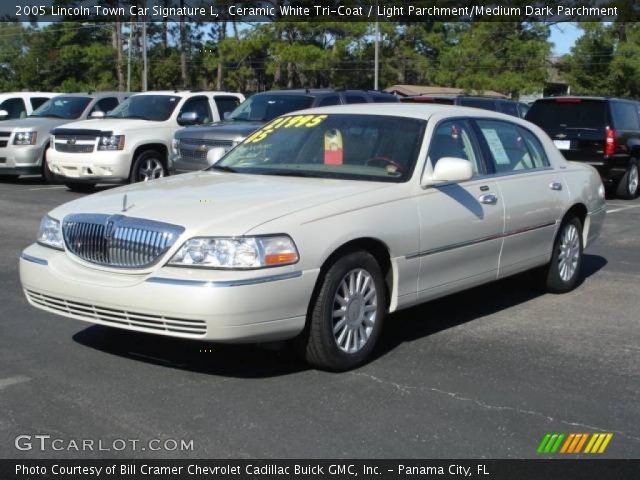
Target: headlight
[
  {"x": 237, "y": 253},
  {"x": 175, "y": 146},
  {"x": 111, "y": 142},
  {"x": 25, "y": 138},
  {"x": 50, "y": 233}
]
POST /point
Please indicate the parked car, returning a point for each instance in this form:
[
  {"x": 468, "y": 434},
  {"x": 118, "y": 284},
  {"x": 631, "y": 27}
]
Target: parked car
[
  {"x": 510, "y": 107},
  {"x": 198, "y": 148},
  {"x": 603, "y": 132},
  {"x": 16, "y": 105},
  {"x": 318, "y": 225},
  {"x": 23, "y": 143},
  {"x": 132, "y": 143}
]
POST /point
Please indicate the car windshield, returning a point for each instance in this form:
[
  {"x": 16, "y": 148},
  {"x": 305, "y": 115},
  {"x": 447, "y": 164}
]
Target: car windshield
[
  {"x": 266, "y": 107},
  {"x": 343, "y": 146},
  {"x": 146, "y": 107},
  {"x": 570, "y": 113},
  {"x": 68, "y": 108}
]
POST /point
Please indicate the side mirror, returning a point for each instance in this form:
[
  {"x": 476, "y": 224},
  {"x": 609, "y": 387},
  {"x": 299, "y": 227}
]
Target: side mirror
[
  {"x": 97, "y": 114},
  {"x": 3, "y": 114},
  {"x": 214, "y": 154},
  {"x": 188, "y": 118},
  {"x": 449, "y": 170},
  {"x": 226, "y": 115}
]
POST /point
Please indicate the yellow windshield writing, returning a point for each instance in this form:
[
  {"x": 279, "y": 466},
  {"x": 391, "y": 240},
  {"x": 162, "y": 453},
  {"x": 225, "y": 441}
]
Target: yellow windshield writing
[{"x": 297, "y": 121}]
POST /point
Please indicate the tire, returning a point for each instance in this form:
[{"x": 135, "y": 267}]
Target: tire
[
  {"x": 80, "y": 187},
  {"x": 148, "y": 165},
  {"x": 8, "y": 178},
  {"x": 628, "y": 185},
  {"x": 561, "y": 275},
  {"x": 357, "y": 329},
  {"x": 47, "y": 175}
]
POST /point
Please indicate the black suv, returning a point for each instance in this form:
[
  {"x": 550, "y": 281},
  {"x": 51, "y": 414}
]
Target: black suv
[
  {"x": 502, "y": 105},
  {"x": 603, "y": 132},
  {"x": 195, "y": 148}
]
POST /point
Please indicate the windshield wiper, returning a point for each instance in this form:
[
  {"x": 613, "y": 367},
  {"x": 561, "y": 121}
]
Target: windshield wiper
[
  {"x": 289, "y": 173},
  {"x": 222, "y": 168},
  {"x": 138, "y": 117},
  {"x": 49, "y": 115}
]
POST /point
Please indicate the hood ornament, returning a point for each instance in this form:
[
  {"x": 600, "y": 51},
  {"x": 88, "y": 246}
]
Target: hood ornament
[{"x": 124, "y": 204}]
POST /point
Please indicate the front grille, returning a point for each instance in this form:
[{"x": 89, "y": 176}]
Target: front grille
[
  {"x": 3, "y": 143},
  {"x": 73, "y": 148},
  {"x": 65, "y": 137},
  {"x": 119, "y": 318},
  {"x": 193, "y": 149},
  {"x": 5, "y": 134},
  {"x": 209, "y": 143},
  {"x": 118, "y": 241},
  {"x": 193, "y": 154}
]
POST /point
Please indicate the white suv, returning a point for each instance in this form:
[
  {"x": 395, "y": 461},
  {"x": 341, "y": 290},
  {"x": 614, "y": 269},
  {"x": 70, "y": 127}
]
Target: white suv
[
  {"x": 16, "y": 105},
  {"x": 132, "y": 142}
]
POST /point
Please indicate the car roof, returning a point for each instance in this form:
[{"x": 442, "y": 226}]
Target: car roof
[
  {"x": 92, "y": 94},
  {"x": 184, "y": 93},
  {"x": 585, "y": 97},
  {"x": 17, "y": 94},
  {"x": 298, "y": 91},
  {"x": 411, "y": 110}
]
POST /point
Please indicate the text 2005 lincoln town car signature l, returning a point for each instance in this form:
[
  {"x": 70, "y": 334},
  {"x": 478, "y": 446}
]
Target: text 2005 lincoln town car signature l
[{"x": 320, "y": 224}]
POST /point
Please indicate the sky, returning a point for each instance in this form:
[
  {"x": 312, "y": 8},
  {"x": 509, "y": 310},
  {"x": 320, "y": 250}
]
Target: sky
[{"x": 564, "y": 35}]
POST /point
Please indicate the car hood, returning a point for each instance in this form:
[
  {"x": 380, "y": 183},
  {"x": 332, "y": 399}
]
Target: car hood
[
  {"x": 218, "y": 203},
  {"x": 220, "y": 129},
  {"x": 112, "y": 124},
  {"x": 34, "y": 123}
]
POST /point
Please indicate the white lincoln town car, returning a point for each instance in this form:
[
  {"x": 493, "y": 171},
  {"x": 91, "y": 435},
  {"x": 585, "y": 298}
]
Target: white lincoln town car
[{"x": 319, "y": 225}]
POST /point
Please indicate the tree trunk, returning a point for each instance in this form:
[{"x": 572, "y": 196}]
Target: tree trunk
[
  {"x": 222, "y": 32},
  {"x": 183, "y": 48},
  {"x": 116, "y": 42}
]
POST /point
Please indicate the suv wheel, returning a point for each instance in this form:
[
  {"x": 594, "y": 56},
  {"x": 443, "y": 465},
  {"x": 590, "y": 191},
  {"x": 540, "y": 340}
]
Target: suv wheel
[
  {"x": 562, "y": 273},
  {"x": 47, "y": 175},
  {"x": 149, "y": 165},
  {"x": 346, "y": 315},
  {"x": 628, "y": 185}
]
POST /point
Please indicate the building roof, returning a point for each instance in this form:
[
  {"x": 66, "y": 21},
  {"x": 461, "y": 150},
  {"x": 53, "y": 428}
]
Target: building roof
[{"x": 409, "y": 90}]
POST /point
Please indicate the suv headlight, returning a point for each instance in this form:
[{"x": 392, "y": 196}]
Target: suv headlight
[
  {"x": 50, "y": 233},
  {"x": 175, "y": 146},
  {"x": 25, "y": 138},
  {"x": 237, "y": 253},
  {"x": 111, "y": 142}
]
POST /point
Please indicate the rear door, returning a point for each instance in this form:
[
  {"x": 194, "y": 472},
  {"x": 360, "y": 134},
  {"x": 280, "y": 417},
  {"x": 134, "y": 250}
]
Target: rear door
[
  {"x": 533, "y": 193},
  {"x": 576, "y": 125}
]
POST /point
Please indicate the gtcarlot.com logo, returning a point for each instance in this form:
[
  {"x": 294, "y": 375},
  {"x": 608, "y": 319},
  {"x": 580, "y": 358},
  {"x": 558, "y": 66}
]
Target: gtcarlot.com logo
[{"x": 574, "y": 443}]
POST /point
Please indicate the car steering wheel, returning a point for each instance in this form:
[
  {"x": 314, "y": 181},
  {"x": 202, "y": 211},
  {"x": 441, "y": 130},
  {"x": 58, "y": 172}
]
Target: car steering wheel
[{"x": 387, "y": 160}]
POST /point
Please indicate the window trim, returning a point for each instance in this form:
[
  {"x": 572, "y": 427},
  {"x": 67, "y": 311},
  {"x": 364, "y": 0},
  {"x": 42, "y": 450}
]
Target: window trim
[
  {"x": 188, "y": 99},
  {"x": 483, "y": 141}
]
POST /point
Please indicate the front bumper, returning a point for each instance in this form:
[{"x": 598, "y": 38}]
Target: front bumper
[
  {"x": 21, "y": 159},
  {"x": 209, "y": 305},
  {"x": 106, "y": 166},
  {"x": 180, "y": 164}
]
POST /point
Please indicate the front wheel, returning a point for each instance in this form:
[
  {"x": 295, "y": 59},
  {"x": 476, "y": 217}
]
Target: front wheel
[
  {"x": 345, "y": 317},
  {"x": 628, "y": 184},
  {"x": 563, "y": 272},
  {"x": 149, "y": 165}
]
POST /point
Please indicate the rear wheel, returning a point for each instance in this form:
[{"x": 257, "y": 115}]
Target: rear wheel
[
  {"x": 628, "y": 184},
  {"x": 345, "y": 317},
  {"x": 80, "y": 187},
  {"x": 562, "y": 274},
  {"x": 148, "y": 165}
]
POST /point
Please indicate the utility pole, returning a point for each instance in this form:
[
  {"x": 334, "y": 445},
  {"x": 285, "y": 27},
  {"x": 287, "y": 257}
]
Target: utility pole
[
  {"x": 130, "y": 47},
  {"x": 376, "y": 55},
  {"x": 144, "y": 55}
]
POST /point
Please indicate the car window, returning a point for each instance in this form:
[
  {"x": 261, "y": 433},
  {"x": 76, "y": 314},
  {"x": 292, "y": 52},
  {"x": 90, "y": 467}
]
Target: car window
[
  {"x": 329, "y": 100},
  {"x": 266, "y": 107},
  {"x": 342, "y": 146},
  {"x": 66, "y": 107},
  {"x": 15, "y": 107},
  {"x": 507, "y": 146},
  {"x": 105, "y": 105},
  {"x": 509, "y": 108},
  {"x": 536, "y": 150},
  {"x": 524, "y": 108},
  {"x": 199, "y": 105},
  {"x": 382, "y": 98},
  {"x": 226, "y": 105},
  {"x": 455, "y": 139},
  {"x": 152, "y": 107},
  {"x": 568, "y": 113},
  {"x": 625, "y": 116},
  {"x": 354, "y": 98},
  {"x": 37, "y": 101},
  {"x": 485, "y": 103}
]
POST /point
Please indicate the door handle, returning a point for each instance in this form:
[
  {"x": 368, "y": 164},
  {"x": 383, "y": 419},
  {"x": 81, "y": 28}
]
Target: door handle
[
  {"x": 555, "y": 186},
  {"x": 488, "y": 199}
]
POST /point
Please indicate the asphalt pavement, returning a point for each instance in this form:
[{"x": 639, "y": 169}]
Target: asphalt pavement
[{"x": 481, "y": 374}]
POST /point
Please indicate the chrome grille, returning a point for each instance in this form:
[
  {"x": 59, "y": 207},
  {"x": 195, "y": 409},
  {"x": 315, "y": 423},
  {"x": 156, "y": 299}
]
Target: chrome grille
[
  {"x": 73, "y": 148},
  {"x": 119, "y": 318},
  {"x": 193, "y": 154},
  {"x": 118, "y": 241},
  {"x": 195, "y": 150},
  {"x": 3, "y": 143},
  {"x": 207, "y": 142}
]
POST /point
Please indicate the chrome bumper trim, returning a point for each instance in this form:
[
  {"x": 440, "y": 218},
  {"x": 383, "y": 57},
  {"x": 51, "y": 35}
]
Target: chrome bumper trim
[
  {"x": 223, "y": 283},
  {"x": 29, "y": 258}
]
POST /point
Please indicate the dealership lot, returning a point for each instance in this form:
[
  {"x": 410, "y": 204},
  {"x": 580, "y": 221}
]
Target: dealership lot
[{"x": 485, "y": 373}]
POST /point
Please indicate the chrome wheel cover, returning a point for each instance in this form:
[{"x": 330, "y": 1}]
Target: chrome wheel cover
[
  {"x": 150, "y": 169},
  {"x": 569, "y": 252},
  {"x": 632, "y": 182},
  {"x": 355, "y": 305}
]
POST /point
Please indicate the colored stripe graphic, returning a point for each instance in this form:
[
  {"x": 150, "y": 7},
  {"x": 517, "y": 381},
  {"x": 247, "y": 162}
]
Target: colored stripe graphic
[{"x": 574, "y": 443}]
